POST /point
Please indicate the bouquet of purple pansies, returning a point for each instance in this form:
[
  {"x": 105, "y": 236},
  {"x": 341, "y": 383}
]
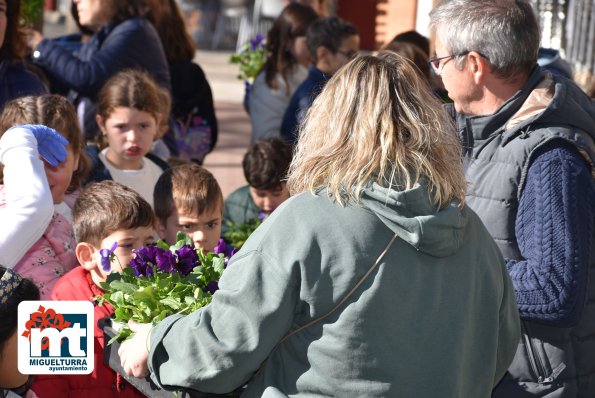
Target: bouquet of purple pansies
[
  {"x": 250, "y": 58},
  {"x": 161, "y": 280}
]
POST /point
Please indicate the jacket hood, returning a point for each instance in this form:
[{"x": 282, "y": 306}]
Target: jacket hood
[{"x": 413, "y": 218}]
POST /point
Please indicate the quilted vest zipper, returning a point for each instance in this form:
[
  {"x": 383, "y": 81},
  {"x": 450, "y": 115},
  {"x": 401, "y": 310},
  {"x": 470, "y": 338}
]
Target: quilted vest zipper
[
  {"x": 536, "y": 361},
  {"x": 536, "y": 367}
]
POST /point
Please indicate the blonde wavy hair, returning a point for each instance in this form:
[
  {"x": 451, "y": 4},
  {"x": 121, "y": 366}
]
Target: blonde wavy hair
[{"x": 378, "y": 120}]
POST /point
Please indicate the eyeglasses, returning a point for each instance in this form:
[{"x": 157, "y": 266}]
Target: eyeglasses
[
  {"x": 348, "y": 54},
  {"x": 437, "y": 65}
]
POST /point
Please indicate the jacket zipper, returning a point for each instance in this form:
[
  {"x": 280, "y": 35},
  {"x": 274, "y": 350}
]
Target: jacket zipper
[
  {"x": 536, "y": 362},
  {"x": 535, "y": 367}
]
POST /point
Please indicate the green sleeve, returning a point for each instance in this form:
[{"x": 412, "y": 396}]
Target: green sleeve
[
  {"x": 218, "y": 348},
  {"x": 509, "y": 329}
]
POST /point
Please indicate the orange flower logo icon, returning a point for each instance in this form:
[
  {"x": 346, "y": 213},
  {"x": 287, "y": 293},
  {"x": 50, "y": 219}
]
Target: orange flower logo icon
[{"x": 43, "y": 319}]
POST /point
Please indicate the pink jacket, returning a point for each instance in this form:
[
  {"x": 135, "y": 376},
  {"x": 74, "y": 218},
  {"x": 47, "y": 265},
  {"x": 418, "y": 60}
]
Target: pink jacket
[{"x": 51, "y": 256}]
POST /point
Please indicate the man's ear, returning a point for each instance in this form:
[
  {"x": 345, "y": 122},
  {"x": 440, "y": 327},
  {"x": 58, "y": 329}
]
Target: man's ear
[
  {"x": 478, "y": 65},
  {"x": 85, "y": 255}
]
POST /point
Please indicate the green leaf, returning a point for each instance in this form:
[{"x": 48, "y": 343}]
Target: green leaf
[
  {"x": 162, "y": 244},
  {"x": 31, "y": 10},
  {"x": 116, "y": 298},
  {"x": 122, "y": 314},
  {"x": 237, "y": 234},
  {"x": 182, "y": 239},
  {"x": 146, "y": 296},
  {"x": 114, "y": 276},
  {"x": 219, "y": 264},
  {"x": 172, "y": 303},
  {"x": 124, "y": 287}
]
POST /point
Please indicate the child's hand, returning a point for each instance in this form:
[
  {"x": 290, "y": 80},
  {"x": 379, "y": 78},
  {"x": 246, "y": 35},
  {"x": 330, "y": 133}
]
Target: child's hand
[
  {"x": 50, "y": 144},
  {"x": 134, "y": 352}
]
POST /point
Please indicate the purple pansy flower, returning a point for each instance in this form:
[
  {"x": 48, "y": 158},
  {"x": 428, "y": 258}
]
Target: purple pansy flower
[
  {"x": 187, "y": 259},
  {"x": 229, "y": 255},
  {"x": 220, "y": 248},
  {"x": 262, "y": 215},
  {"x": 212, "y": 287},
  {"x": 145, "y": 258},
  {"x": 256, "y": 42},
  {"x": 107, "y": 256},
  {"x": 165, "y": 261}
]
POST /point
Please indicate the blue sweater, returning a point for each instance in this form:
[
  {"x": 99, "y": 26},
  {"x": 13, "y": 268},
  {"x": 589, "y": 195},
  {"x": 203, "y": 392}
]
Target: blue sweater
[
  {"x": 300, "y": 102},
  {"x": 554, "y": 226}
]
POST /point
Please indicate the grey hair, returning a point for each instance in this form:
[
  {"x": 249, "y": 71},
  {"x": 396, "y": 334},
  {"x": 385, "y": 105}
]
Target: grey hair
[{"x": 506, "y": 32}]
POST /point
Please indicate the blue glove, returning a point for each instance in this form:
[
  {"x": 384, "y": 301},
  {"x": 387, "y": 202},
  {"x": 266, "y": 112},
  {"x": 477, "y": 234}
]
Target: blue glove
[{"x": 50, "y": 144}]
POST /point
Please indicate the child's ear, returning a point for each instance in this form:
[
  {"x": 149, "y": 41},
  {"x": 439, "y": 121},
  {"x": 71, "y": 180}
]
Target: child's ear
[
  {"x": 322, "y": 53},
  {"x": 84, "y": 254}
]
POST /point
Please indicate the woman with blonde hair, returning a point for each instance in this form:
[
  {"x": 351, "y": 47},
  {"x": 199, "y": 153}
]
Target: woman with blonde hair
[{"x": 373, "y": 280}]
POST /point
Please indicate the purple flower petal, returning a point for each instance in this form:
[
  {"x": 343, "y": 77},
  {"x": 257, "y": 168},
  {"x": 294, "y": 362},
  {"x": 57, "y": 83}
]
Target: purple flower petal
[
  {"x": 105, "y": 260},
  {"x": 187, "y": 259},
  {"x": 165, "y": 261},
  {"x": 262, "y": 215},
  {"x": 220, "y": 248},
  {"x": 145, "y": 259},
  {"x": 256, "y": 42},
  {"x": 107, "y": 255},
  {"x": 212, "y": 287}
]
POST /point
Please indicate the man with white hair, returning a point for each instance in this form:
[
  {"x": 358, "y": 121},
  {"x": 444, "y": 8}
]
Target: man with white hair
[{"x": 529, "y": 140}]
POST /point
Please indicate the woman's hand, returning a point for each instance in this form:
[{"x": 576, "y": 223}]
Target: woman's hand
[
  {"x": 135, "y": 351},
  {"x": 33, "y": 38}
]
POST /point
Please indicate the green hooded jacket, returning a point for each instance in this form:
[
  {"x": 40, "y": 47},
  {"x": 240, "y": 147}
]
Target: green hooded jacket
[{"x": 437, "y": 318}]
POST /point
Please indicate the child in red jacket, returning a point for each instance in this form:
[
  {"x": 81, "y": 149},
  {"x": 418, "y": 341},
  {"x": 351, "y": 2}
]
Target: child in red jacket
[{"x": 108, "y": 218}]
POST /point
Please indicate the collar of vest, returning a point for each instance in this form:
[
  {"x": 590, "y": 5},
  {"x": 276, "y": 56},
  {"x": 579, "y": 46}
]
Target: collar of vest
[{"x": 483, "y": 127}]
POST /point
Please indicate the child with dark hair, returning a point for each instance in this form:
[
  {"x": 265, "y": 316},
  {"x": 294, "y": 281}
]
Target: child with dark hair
[
  {"x": 108, "y": 218},
  {"x": 332, "y": 43},
  {"x": 415, "y": 38},
  {"x": 265, "y": 167},
  {"x": 188, "y": 198},
  {"x": 13, "y": 290}
]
